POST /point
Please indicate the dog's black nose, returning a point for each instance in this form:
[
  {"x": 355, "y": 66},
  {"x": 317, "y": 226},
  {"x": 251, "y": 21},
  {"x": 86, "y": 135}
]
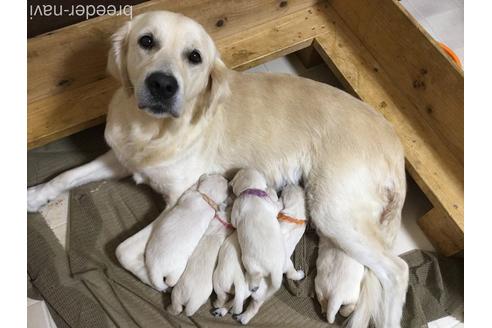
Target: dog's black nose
[{"x": 161, "y": 85}]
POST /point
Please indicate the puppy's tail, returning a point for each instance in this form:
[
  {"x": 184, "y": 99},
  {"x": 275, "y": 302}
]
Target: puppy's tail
[
  {"x": 254, "y": 281},
  {"x": 156, "y": 277},
  {"x": 370, "y": 303}
]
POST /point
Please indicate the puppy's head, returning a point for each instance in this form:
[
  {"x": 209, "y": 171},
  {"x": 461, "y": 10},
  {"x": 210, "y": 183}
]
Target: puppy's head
[
  {"x": 293, "y": 201},
  {"x": 248, "y": 179},
  {"x": 214, "y": 186},
  {"x": 167, "y": 61}
]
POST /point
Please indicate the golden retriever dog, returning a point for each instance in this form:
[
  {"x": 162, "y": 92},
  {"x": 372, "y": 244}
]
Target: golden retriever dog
[{"x": 180, "y": 112}]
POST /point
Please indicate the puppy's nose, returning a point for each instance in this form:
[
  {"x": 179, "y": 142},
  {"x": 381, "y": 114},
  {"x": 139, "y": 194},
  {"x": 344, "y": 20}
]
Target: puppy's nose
[{"x": 161, "y": 85}]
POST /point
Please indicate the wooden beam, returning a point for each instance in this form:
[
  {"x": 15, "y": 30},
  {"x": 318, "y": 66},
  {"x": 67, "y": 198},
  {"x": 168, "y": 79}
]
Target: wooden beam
[
  {"x": 68, "y": 89},
  {"x": 309, "y": 57},
  {"x": 413, "y": 61},
  {"x": 428, "y": 158},
  {"x": 447, "y": 238}
]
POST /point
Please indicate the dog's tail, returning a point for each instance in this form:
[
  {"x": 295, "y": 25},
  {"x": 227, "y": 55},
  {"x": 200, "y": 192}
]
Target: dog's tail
[
  {"x": 156, "y": 276},
  {"x": 254, "y": 281},
  {"x": 370, "y": 303}
]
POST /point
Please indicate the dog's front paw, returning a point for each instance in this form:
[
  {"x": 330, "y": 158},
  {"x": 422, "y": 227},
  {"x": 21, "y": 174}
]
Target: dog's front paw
[
  {"x": 37, "y": 197},
  {"x": 219, "y": 312},
  {"x": 243, "y": 318}
]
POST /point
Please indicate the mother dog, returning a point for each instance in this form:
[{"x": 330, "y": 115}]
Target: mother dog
[{"x": 181, "y": 113}]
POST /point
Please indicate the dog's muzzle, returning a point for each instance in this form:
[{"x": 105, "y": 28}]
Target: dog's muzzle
[{"x": 160, "y": 94}]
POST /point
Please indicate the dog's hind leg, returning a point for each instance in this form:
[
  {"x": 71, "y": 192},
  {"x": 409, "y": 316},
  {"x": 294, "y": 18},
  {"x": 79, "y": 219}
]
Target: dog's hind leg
[
  {"x": 130, "y": 253},
  {"x": 221, "y": 298},
  {"x": 175, "y": 308},
  {"x": 254, "y": 279},
  {"x": 192, "y": 307},
  {"x": 264, "y": 294},
  {"x": 350, "y": 217},
  {"x": 240, "y": 295}
]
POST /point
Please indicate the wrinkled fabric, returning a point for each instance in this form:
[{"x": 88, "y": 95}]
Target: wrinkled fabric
[{"x": 84, "y": 286}]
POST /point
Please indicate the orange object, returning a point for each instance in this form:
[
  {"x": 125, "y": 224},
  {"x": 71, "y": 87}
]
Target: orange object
[
  {"x": 290, "y": 219},
  {"x": 450, "y": 53}
]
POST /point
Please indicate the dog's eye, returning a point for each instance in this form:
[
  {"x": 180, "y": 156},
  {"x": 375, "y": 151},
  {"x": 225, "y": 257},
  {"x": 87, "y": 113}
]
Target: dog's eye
[
  {"x": 194, "y": 57},
  {"x": 146, "y": 41}
]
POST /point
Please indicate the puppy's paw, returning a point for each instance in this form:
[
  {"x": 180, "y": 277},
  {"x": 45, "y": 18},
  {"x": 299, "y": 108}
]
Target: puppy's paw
[
  {"x": 219, "y": 312},
  {"x": 346, "y": 310},
  {"x": 174, "y": 310},
  {"x": 243, "y": 318}
]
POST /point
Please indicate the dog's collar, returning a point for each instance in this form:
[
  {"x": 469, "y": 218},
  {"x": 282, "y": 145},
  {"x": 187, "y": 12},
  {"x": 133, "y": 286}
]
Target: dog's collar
[
  {"x": 215, "y": 207},
  {"x": 286, "y": 218},
  {"x": 226, "y": 224},
  {"x": 209, "y": 201},
  {"x": 255, "y": 192}
]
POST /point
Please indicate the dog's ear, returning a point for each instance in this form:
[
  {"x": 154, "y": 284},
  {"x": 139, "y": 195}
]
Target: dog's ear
[
  {"x": 218, "y": 86},
  {"x": 117, "y": 57}
]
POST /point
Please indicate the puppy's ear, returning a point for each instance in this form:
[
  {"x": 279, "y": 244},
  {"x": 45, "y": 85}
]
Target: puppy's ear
[
  {"x": 117, "y": 57},
  {"x": 218, "y": 86},
  {"x": 272, "y": 194}
]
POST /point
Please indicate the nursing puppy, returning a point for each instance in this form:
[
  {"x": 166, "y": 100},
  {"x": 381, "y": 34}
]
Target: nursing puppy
[
  {"x": 338, "y": 281},
  {"x": 179, "y": 230},
  {"x": 195, "y": 285},
  {"x": 254, "y": 214},
  {"x": 229, "y": 278},
  {"x": 292, "y": 220}
]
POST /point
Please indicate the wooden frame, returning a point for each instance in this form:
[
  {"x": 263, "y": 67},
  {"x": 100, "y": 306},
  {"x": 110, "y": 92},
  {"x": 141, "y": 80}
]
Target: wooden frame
[{"x": 375, "y": 48}]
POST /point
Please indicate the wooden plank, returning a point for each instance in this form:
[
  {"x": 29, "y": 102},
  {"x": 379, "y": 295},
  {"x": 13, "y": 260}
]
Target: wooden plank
[
  {"x": 52, "y": 70},
  {"x": 76, "y": 55},
  {"x": 447, "y": 239},
  {"x": 428, "y": 159},
  {"x": 414, "y": 62},
  {"x": 273, "y": 39}
]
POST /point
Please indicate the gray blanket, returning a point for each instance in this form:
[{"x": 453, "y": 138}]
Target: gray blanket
[{"x": 84, "y": 286}]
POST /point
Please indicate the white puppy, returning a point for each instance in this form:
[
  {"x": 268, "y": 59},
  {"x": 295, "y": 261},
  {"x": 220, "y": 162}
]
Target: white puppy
[
  {"x": 254, "y": 214},
  {"x": 229, "y": 278},
  {"x": 338, "y": 280},
  {"x": 292, "y": 220},
  {"x": 229, "y": 275},
  {"x": 178, "y": 231},
  {"x": 195, "y": 285}
]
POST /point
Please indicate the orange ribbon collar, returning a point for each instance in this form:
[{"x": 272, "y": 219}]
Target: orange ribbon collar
[
  {"x": 215, "y": 207},
  {"x": 210, "y": 202},
  {"x": 283, "y": 217}
]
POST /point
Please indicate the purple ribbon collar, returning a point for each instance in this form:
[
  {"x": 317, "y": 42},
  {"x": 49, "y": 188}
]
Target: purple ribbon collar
[{"x": 255, "y": 192}]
